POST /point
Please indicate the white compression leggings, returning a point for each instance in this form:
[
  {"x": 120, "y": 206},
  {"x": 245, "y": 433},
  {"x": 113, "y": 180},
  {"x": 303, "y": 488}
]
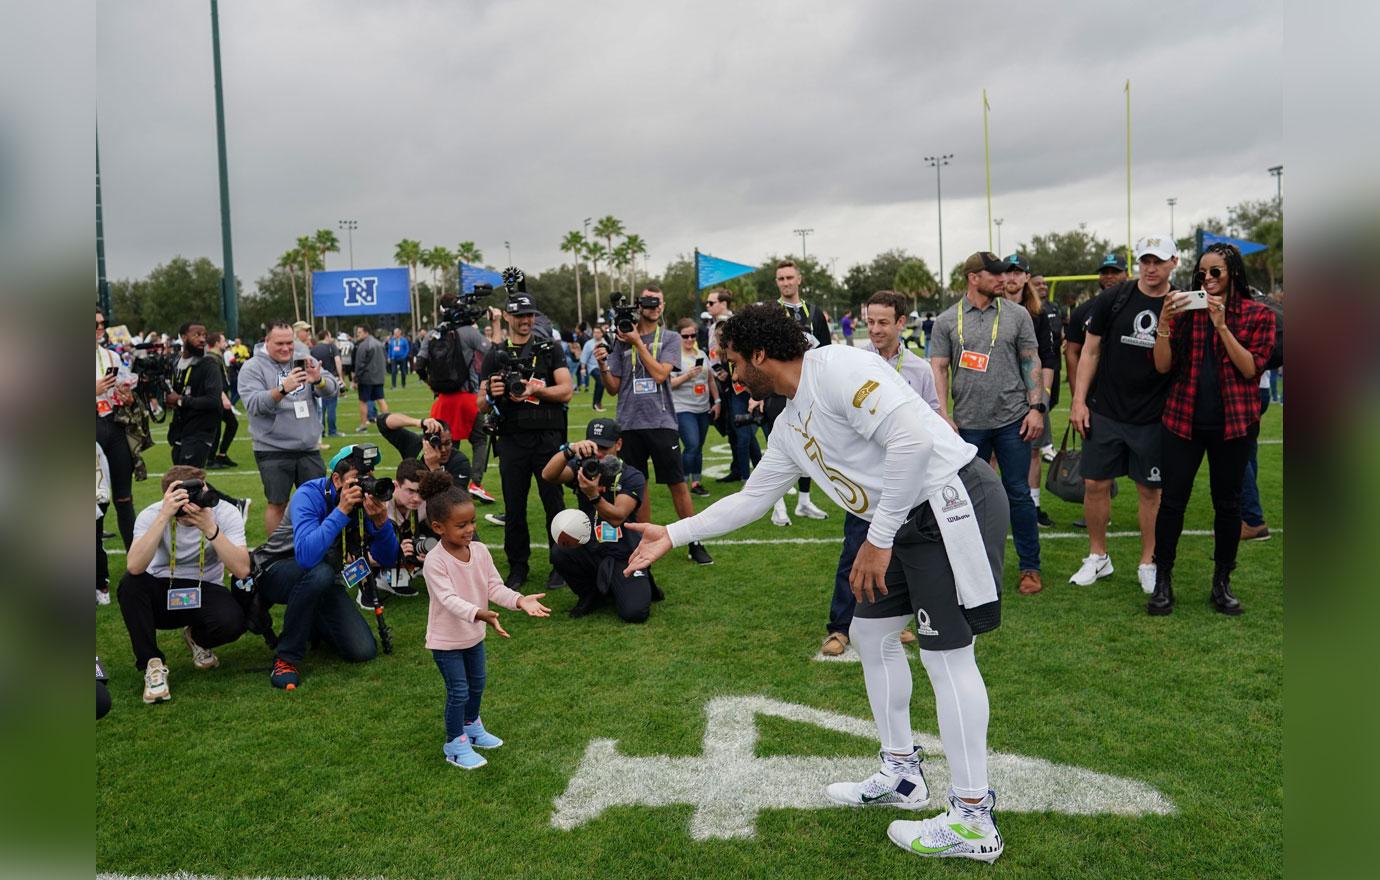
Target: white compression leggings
[{"x": 960, "y": 697}]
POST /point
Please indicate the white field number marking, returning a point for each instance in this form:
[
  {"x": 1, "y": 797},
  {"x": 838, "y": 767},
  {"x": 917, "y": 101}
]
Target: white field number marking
[{"x": 729, "y": 785}]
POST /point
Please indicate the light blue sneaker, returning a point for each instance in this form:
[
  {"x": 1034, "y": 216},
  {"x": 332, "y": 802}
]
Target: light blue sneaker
[
  {"x": 481, "y": 738},
  {"x": 460, "y": 753}
]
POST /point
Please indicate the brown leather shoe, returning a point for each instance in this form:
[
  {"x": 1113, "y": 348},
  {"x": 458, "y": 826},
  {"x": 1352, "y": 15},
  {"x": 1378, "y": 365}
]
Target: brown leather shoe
[
  {"x": 1255, "y": 533},
  {"x": 908, "y": 637},
  {"x": 1030, "y": 582},
  {"x": 834, "y": 645}
]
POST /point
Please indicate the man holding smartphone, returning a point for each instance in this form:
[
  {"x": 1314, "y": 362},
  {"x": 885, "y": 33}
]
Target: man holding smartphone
[
  {"x": 282, "y": 387},
  {"x": 1120, "y": 421}
]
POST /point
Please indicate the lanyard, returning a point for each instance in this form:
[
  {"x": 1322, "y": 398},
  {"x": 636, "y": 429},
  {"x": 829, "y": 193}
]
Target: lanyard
[
  {"x": 186, "y": 377},
  {"x": 632, "y": 353},
  {"x": 995, "y": 324},
  {"x": 357, "y": 518},
  {"x": 804, "y": 309},
  {"x": 901, "y": 356},
  {"x": 172, "y": 560}
]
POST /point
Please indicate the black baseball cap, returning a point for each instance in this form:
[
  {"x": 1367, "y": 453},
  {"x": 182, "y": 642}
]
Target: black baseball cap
[
  {"x": 1019, "y": 262},
  {"x": 521, "y": 304},
  {"x": 986, "y": 260},
  {"x": 604, "y": 432},
  {"x": 1113, "y": 261}
]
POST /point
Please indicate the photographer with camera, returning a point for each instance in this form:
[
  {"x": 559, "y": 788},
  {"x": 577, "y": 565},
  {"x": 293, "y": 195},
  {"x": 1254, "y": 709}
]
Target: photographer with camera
[
  {"x": 448, "y": 360},
  {"x": 523, "y": 395},
  {"x": 415, "y": 537},
  {"x": 335, "y": 530},
  {"x": 190, "y": 530},
  {"x": 435, "y": 446},
  {"x": 609, "y": 493},
  {"x": 282, "y": 388},
  {"x": 194, "y": 399},
  {"x": 637, "y": 370}
]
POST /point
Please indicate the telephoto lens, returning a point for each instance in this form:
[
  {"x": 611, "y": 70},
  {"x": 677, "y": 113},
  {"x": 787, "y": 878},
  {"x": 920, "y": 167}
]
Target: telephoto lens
[{"x": 380, "y": 488}]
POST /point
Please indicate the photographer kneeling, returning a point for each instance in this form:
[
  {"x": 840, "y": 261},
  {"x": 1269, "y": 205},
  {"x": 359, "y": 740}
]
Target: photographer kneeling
[
  {"x": 320, "y": 544},
  {"x": 434, "y": 447},
  {"x": 190, "y": 529},
  {"x": 608, "y": 492},
  {"x": 407, "y": 512}
]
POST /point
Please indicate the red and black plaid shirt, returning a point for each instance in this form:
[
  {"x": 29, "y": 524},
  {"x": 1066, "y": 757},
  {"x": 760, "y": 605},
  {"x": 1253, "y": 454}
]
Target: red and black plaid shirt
[{"x": 1253, "y": 325}]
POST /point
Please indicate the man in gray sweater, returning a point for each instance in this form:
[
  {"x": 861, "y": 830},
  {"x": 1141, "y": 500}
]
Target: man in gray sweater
[
  {"x": 371, "y": 366},
  {"x": 282, "y": 387}
]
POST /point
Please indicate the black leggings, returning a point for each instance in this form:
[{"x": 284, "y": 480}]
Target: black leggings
[
  {"x": 230, "y": 425},
  {"x": 111, "y": 437},
  {"x": 773, "y": 407},
  {"x": 1181, "y": 459}
]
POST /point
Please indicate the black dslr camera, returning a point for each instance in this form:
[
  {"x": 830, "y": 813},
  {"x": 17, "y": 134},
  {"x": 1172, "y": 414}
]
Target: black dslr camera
[
  {"x": 748, "y": 418},
  {"x": 198, "y": 493},
  {"x": 607, "y": 470},
  {"x": 365, "y": 457},
  {"x": 421, "y": 546}
]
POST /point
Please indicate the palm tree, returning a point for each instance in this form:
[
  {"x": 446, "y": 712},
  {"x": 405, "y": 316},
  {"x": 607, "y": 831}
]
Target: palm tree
[
  {"x": 467, "y": 252},
  {"x": 306, "y": 252},
  {"x": 439, "y": 259},
  {"x": 288, "y": 261},
  {"x": 618, "y": 261},
  {"x": 595, "y": 252},
  {"x": 409, "y": 254},
  {"x": 637, "y": 247},
  {"x": 607, "y": 228},
  {"x": 574, "y": 244}
]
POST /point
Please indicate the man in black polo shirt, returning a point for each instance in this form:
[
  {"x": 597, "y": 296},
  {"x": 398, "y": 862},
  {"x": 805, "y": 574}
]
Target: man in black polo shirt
[
  {"x": 194, "y": 399},
  {"x": 531, "y": 425}
]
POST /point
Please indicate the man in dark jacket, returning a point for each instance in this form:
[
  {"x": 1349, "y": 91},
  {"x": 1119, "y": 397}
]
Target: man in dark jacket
[
  {"x": 195, "y": 399},
  {"x": 371, "y": 366}
]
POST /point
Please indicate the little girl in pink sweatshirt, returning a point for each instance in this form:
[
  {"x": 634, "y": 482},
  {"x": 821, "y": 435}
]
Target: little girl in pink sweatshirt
[{"x": 461, "y": 581}]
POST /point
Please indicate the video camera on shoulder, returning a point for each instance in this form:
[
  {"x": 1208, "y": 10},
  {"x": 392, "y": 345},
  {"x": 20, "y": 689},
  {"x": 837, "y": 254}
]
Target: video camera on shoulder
[
  {"x": 364, "y": 458},
  {"x": 466, "y": 310}
]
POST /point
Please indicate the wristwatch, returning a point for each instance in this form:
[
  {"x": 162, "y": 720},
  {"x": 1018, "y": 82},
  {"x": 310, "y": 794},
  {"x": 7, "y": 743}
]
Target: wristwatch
[{"x": 1039, "y": 407}]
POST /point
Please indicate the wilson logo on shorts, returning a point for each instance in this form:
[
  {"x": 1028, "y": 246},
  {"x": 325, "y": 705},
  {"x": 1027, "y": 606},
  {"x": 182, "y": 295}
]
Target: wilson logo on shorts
[{"x": 922, "y": 624}]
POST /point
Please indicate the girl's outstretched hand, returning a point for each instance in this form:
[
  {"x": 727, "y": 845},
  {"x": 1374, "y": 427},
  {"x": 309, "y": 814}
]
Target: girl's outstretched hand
[
  {"x": 491, "y": 618},
  {"x": 533, "y": 606}
]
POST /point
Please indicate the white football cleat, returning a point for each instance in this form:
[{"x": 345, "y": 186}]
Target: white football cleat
[
  {"x": 778, "y": 513},
  {"x": 806, "y": 508},
  {"x": 965, "y": 831},
  {"x": 1093, "y": 567},
  {"x": 900, "y": 783}
]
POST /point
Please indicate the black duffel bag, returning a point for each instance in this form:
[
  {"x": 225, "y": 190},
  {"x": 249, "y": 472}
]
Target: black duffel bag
[{"x": 1065, "y": 477}]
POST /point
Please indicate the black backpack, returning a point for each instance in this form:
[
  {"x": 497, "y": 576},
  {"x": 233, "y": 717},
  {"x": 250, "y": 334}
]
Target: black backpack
[{"x": 446, "y": 370}]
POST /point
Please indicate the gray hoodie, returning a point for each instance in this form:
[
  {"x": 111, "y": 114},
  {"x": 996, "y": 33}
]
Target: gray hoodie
[{"x": 275, "y": 425}]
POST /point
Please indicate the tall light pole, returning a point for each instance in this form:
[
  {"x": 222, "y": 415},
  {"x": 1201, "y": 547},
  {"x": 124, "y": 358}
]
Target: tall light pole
[
  {"x": 509, "y": 248},
  {"x": 937, "y": 163},
  {"x": 998, "y": 221},
  {"x": 229, "y": 296},
  {"x": 102, "y": 284},
  {"x": 802, "y": 233},
  {"x": 1172, "y": 202},
  {"x": 1277, "y": 172},
  {"x": 350, "y": 226}
]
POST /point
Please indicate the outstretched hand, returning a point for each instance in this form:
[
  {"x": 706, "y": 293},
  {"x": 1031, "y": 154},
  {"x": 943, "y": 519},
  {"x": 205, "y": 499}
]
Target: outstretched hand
[
  {"x": 491, "y": 618},
  {"x": 532, "y": 605},
  {"x": 656, "y": 543}
]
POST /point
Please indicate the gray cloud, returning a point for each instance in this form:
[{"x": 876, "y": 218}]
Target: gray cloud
[{"x": 712, "y": 123}]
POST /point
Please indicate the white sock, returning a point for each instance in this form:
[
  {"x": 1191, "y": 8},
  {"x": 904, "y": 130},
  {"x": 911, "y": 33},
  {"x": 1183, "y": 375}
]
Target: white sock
[
  {"x": 887, "y": 676},
  {"x": 960, "y": 699},
  {"x": 1035, "y": 495}
]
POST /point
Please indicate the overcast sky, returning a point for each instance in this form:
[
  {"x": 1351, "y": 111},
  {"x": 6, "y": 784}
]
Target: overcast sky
[{"x": 723, "y": 125}]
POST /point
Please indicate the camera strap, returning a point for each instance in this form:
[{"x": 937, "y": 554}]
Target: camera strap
[
  {"x": 633, "y": 360},
  {"x": 357, "y": 520}
]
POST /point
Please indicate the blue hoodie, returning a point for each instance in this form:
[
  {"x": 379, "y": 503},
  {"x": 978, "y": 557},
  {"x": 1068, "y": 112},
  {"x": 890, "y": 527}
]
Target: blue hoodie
[{"x": 317, "y": 523}]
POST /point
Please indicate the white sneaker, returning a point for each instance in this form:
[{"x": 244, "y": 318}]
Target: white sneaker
[
  {"x": 1147, "y": 577},
  {"x": 900, "y": 783},
  {"x": 156, "y": 682},
  {"x": 1094, "y": 567},
  {"x": 202, "y": 658},
  {"x": 805, "y": 507},
  {"x": 102, "y": 596},
  {"x": 778, "y": 513},
  {"x": 963, "y": 831}
]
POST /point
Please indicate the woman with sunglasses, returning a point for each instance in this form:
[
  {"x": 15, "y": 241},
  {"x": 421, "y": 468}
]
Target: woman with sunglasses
[
  {"x": 696, "y": 401},
  {"x": 1215, "y": 355}
]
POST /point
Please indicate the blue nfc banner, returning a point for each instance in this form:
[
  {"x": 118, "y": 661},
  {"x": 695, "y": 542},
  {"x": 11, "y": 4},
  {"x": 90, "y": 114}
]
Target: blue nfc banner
[
  {"x": 361, "y": 292},
  {"x": 710, "y": 271},
  {"x": 472, "y": 275},
  {"x": 1245, "y": 247}
]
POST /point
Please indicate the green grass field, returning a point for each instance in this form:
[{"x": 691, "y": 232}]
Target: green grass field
[{"x": 344, "y": 777}]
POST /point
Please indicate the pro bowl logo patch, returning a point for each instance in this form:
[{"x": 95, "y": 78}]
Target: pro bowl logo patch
[
  {"x": 951, "y": 499},
  {"x": 867, "y": 388}
]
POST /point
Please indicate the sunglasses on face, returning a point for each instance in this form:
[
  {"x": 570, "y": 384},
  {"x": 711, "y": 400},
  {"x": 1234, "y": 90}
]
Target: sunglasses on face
[
  {"x": 1214, "y": 273},
  {"x": 687, "y": 336}
]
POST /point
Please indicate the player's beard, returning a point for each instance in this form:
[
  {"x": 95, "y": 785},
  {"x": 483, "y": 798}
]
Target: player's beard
[{"x": 758, "y": 385}]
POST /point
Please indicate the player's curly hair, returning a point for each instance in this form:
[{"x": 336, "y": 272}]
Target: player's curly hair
[
  {"x": 767, "y": 328},
  {"x": 441, "y": 495}
]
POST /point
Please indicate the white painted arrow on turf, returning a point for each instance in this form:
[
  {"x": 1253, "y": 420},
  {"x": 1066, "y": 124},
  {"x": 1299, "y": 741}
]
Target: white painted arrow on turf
[{"x": 729, "y": 785}]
